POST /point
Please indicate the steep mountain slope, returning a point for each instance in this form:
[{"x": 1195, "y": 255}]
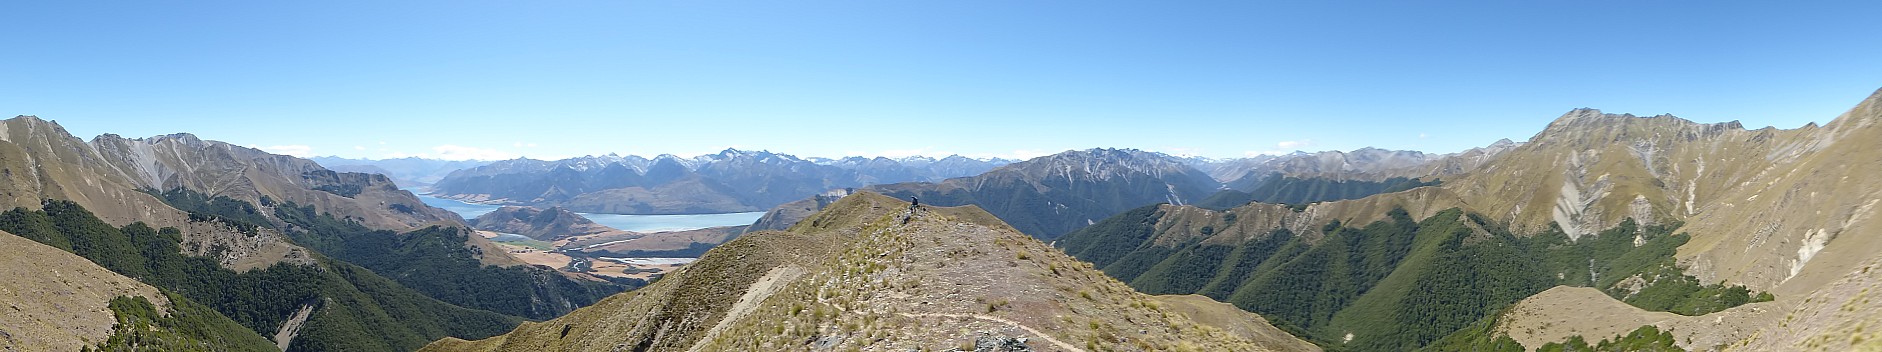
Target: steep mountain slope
[
  {"x": 315, "y": 306},
  {"x": 1787, "y": 212},
  {"x": 1807, "y": 218},
  {"x": 1791, "y": 211},
  {"x": 434, "y": 261},
  {"x": 549, "y": 224},
  {"x": 61, "y": 302},
  {"x": 221, "y": 169},
  {"x": 869, "y": 272},
  {"x": 1284, "y": 189},
  {"x": 1588, "y": 170},
  {"x": 1393, "y": 284},
  {"x": 39, "y": 160},
  {"x": 242, "y": 216},
  {"x": 1052, "y": 195}
]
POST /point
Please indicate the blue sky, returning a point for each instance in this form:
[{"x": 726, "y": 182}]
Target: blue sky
[{"x": 552, "y": 79}]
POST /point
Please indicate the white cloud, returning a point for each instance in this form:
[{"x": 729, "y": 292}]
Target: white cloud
[
  {"x": 291, "y": 150},
  {"x": 359, "y": 147},
  {"x": 523, "y": 145},
  {"x": 1423, "y": 136}
]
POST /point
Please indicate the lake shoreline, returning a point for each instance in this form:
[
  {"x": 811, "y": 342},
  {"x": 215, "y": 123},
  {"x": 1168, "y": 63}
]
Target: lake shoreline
[
  {"x": 632, "y": 223},
  {"x": 479, "y": 201}
]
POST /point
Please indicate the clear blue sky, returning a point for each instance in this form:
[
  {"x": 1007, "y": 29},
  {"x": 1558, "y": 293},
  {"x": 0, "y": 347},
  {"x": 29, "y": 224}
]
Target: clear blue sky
[{"x": 552, "y": 79}]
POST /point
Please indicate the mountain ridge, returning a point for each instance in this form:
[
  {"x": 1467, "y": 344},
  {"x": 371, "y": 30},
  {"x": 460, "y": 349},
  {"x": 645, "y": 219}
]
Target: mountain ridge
[
  {"x": 1051, "y": 195},
  {"x": 243, "y": 216},
  {"x": 729, "y": 181},
  {"x": 820, "y": 284},
  {"x": 1784, "y": 211},
  {"x": 409, "y": 172}
]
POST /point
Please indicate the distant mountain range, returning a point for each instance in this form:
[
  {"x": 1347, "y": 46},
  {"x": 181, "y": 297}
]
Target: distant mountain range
[
  {"x": 1051, "y": 195},
  {"x": 1056, "y": 194},
  {"x": 410, "y": 172},
  {"x": 1364, "y": 164},
  {"x": 729, "y": 181}
]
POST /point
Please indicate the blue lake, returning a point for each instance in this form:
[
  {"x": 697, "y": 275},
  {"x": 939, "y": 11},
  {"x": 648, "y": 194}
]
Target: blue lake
[{"x": 636, "y": 223}]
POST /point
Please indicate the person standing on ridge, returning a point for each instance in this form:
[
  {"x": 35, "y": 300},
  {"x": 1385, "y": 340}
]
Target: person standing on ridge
[{"x": 914, "y": 205}]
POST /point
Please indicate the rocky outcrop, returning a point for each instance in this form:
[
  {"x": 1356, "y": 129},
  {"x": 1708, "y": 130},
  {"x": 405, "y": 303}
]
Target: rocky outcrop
[{"x": 988, "y": 342}]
